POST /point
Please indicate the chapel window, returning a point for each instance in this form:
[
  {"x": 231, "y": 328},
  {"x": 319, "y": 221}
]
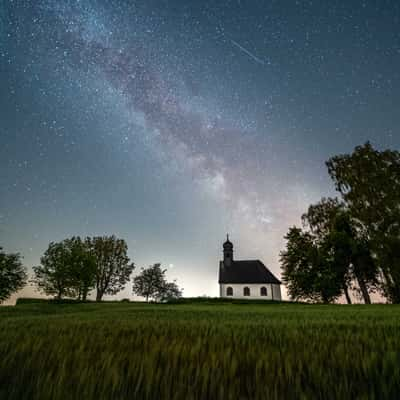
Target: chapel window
[{"x": 263, "y": 291}]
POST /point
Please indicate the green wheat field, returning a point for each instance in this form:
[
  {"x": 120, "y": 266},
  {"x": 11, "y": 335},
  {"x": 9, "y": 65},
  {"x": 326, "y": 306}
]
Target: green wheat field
[{"x": 205, "y": 350}]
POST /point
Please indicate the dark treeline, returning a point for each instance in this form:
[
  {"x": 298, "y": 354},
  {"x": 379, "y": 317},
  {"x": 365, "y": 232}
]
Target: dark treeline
[
  {"x": 351, "y": 242},
  {"x": 75, "y": 267}
]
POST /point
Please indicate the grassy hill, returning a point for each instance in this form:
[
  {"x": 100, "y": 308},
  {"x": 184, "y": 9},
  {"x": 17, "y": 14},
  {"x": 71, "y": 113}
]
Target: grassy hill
[{"x": 199, "y": 351}]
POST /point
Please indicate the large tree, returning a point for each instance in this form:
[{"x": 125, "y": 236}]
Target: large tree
[
  {"x": 67, "y": 269},
  {"x": 113, "y": 266},
  {"x": 322, "y": 261},
  {"x": 323, "y": 222},
  {"x": 12, "y": 274},
  {"x": 53, "y": 276},
  {"x": 308, "y": 269},
  {"x": 82, "y": 267},
  {"x": 169, "y": 291},
  {"x": 369, "y": 182},
  {"x": 151, "y": 283},
  {"x": 331, "y": 224}
]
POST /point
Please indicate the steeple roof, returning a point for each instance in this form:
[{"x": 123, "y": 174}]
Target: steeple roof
[{"x": 228, "y": 243}]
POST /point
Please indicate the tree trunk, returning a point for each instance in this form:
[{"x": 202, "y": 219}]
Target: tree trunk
[
  {"x": 325, "y": 300},
  {"x": 391, "y": 287},
  {"x": 396, "y": 297},
  {"x": 364, "y": 291},
  {"x": 395, "y": 290},
  {"x": 347, "y": 295},
  {"x": 99, "y": 295}
]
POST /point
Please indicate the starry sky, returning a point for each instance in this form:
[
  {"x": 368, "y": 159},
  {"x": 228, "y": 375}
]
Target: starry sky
[{"x": 171, "y": 123}]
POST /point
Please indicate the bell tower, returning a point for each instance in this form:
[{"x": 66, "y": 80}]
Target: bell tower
[{"x": 228, "y": 252}]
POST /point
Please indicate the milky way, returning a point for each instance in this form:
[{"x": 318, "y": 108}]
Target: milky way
[{"x": 161, "y": 121}]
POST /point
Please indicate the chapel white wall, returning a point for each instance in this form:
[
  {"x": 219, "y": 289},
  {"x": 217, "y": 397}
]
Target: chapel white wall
[
  {"x": 277, "y": 292},
  {"x": 255, "y": 291}
]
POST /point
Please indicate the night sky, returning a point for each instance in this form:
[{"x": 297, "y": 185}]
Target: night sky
[{"x": 171, "y": 123}]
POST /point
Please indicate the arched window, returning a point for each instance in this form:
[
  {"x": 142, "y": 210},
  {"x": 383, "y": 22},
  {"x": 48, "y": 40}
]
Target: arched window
[
  {"x": 246, "y": 291},
  {"x": 263, "y": 291},
  {"x": 229, "y": 291}
]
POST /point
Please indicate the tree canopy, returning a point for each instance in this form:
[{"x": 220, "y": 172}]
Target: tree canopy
[
  {"x": 308, "y": 269},
  {"x": 82, "y": 266},
  {"x": 52, "y": 277},
  {"x": 12, "y": 274},
  {"x": 369, "y": 182},
  {"x": 74, "y": 267},
  {"x": 151, "y": 283},
  {"x": 353, "y": 242},
  {"x": 67, "y": 270},
  {"x": 331, "y": 223},
  {"x": 113, "y": 266}
]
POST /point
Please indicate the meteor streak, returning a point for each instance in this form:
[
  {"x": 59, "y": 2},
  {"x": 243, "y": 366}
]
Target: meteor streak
[{"x": 255, "y": 58}]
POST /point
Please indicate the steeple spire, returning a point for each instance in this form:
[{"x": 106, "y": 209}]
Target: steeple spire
[{"x": 228, "y": 251}]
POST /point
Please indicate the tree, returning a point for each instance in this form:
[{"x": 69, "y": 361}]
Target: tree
[
  {"x": 364, "y": 268},
  {"x": 369, "y": 182},
  {"x": 331, "y": 224},
  {"x": 308, "y": 270},
  {"x": 296, "y": 265},
  {"x": 12, "y": 274},
  {"x": 148, "y": 283},
  {"x": 170, "y": 291},
  {"x": 113, "y": 267},
  {"x": 152, "y": 284},
  {"x": 67, "y": 269},
  {"x": 323, "y": 220},
  {"x": 53, "y": 276},
  {"x": 82, "y": 267},
  {"x": 321, "y": 262}
]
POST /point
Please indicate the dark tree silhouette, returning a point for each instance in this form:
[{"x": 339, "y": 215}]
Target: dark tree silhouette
[
  {"x": 308, "y": 270},
  {"x": 369, "y": 182},
  {"x": 53, "y": 276},
  {"x": 12, "y": 274},
  {"x": 331, "y": 224},
  {"x": 151, "y": 283},
  {"x": 67, "y": 269},
  {"x": 113, "y": 267},
  {"x": 82, "y": 267},
  {"x": 328, "y": 256}
]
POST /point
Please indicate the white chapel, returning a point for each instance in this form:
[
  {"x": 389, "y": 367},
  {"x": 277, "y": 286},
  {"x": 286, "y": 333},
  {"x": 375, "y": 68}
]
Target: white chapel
[{"x": 246, "y": 279}]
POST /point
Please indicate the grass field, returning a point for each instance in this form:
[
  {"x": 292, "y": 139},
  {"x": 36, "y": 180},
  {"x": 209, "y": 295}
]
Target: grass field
[{"x": 199, "y": 351}]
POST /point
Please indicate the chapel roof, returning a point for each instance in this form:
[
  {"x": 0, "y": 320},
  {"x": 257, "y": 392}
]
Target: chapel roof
[{"x": 246, "y": 271}]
